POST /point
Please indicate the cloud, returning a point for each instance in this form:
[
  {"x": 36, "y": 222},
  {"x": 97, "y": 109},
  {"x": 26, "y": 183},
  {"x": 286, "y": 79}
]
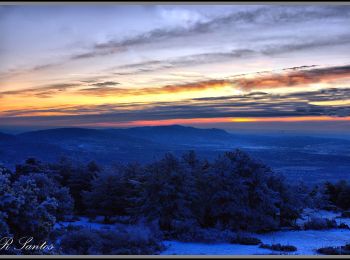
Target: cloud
[
  {"x": 197, "y": 59},
  {"x": 341, "y": 39},
  {"x": 289, "y": 77},
  {"x": 42, "y": 91},
  {"x": 255, "y": 104},
  {"x": 235, "y": 54},
  {"x": 183, "y": 61},
  {"x": 263, "y": 16},
  {"x": 195, "y": 86},
  {"x": 168, "y": 89},
  {"x": 294, "y": 78},
  {"x": 105, "y": 83},
  {"x": 250, "y": 17}
]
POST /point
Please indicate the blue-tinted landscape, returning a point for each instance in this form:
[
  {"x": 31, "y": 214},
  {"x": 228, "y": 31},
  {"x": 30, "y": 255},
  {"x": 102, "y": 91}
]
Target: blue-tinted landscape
[
  {"x": 299, "y": 157},
  {"x": 153, "y": 129},
  {"x": 175, "y": 190}
]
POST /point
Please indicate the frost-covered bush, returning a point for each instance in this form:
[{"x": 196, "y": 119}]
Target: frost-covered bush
[
  {"x": 122, "y": 240},
  {"x": 4, "y": 229},
  {"x": 338, "y": 194},
  {"x": 31, "y": 202},
  {"x": 345, "y": 214},
  {"x": 244, "y": 239},
  {"x": 320, "y": 223},
  {"x": 343, "y": 226},
  {"x": 48, "y": 188},
  {"x": 6, "y": 199},
  {"x": 33, "y": 216},
  {"x": 80, "y": 242},
  {"x": 279, "y": 247},
  {"x": 340, "y": 250},
  {"x": 188, "y": 231}
]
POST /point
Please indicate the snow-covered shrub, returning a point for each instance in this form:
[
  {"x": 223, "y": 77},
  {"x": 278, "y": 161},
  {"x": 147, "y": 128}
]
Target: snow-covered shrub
[
  {"x": 343, "y": 226},
  {"x": 47, "y": 188},
  {"x": 338, "y": 194},
  {"x": 31, "y": 202},
  {"x": 279, "y": 247},
  {"x": 316, "y": 223},
  {"x": 80, "y": 242},
  {"x": 35, "y": 216},
  {"x": 345, "y": 214},
  {"x": 319, "y": 199},
  {"x": 4, "y": 229},
  {"x": 6, "y": 200},
  {"x": 339, "y": 250},
  {"x": 244, "y": 239},
  {"x": 189, "y": 231},
  {"x": 123, "y": 240}
]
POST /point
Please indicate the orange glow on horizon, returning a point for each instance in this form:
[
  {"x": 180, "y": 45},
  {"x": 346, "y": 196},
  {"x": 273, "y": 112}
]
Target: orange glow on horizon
[{"x": 216, "y": 120}]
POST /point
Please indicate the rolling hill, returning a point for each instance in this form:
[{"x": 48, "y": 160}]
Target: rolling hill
[{"x": 296, "y": 156}]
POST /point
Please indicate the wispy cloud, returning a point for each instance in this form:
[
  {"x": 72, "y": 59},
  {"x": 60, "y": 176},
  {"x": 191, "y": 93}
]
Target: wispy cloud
[
  {"x": 293, "y": 78},
  {"x": 41, "y": 91},
  {"x": 105, "y": 83},
  {"x": 168, "y": 89},
  {"x": 290, "y": 77},
  {"x": 256, "y": 104},
  {"x": 233, "y": 55},
  {"x": 264, "y": 15}
]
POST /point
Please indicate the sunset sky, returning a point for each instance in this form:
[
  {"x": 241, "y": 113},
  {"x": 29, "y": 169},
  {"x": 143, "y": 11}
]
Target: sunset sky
[{"x": 251, "y": 67}]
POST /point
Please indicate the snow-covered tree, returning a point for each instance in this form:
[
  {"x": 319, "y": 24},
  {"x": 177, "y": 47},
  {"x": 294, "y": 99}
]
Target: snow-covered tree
[
  {"x": 31, "y": 202},
  {"x": 107, "y": 196},
  {"x": 166, "y": 192}
]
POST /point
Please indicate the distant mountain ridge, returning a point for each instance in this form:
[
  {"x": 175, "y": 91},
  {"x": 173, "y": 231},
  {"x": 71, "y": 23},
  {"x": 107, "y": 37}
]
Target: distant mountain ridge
[
  {"x": 108, "y": 145},
  {"x": 176, "y": 134},
  {"x": 63, "y": 132},
  {"x": 148, "y": 135},
  {"x": 294, "y": 155},
  {"x": 6, "y": 137}
]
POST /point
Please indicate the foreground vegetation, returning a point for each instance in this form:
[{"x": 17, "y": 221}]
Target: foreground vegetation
[{"x": 185, "y": 199}]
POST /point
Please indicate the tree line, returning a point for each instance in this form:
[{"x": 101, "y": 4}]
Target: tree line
[{"x": 177, "y": 194}]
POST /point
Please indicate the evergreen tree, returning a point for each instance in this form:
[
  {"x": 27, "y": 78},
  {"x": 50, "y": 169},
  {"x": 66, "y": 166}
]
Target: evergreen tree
[
  {"x": 107, "y": 195},
  {"x": 164, "y": 193}
]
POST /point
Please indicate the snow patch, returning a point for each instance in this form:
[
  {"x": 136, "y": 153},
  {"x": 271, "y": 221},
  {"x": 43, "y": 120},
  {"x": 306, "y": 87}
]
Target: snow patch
[{"x": 306, "y": 241}]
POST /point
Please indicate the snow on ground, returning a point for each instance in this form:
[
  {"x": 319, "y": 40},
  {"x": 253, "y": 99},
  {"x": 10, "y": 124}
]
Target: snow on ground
[
  {"x": 306, "y": 242},
  {"x": 310, "y": 213},
  {"x": 83, "y": 221},
  {"x": 186, "y": 248}
]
